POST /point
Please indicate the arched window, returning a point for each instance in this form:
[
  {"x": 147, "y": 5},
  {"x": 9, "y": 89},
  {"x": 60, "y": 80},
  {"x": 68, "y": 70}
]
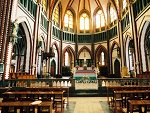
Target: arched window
[
  {"x": 124, "y": 4},
  {"x": 84, "y": 22},
  {"x": 131, "y": 63},
  {"x": 44, "y": 5},
  {"x": 68, "y": 20},
  {"x": 113, "y": 15},
  {"x": 56, "y": 16},
  {"x": 66, "y": 59},
  {"x": 100, "y": 21},
  {"x": 117, "y": 4},
  {"x": 131, "y": 55},
  {"x": 103, "y": 58}
]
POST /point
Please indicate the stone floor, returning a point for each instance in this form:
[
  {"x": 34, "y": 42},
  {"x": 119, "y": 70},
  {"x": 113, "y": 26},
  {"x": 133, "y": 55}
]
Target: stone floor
[{"x": 86, "y": 105}]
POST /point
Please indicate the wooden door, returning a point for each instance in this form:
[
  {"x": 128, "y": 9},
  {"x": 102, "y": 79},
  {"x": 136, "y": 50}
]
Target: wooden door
[
  {"x": 117, "y": 68},
  {"x": 53, "y": 68}
]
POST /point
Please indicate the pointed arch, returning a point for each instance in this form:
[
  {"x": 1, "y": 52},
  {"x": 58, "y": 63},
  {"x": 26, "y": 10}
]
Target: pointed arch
[
  {"x": 144, "y": 34},
  {"x": 68, "y": 48},
  {"x": 86, "y": 48},
  {"x": 98, "y": 19},
  {"x": 98, "y": 52},
  {"x": 28, "y": 37},
  {"x": 53, "y": 68},
  {"x": 111, "y": 4},
  {"x": 129, "y": 56},
  {"x": 113, "y": 56},
  {"x": 57, "y": 9},
  {"x": 141, "y": 33},
  {"x": 74, "y": 17},
  {"x": 41, "y": 38},
  {"x": 57, "y": 56},
  {"x": 71, "y": 55},
  {"x": 113, "y": 44},
  {"x": 117, "y": 68}
]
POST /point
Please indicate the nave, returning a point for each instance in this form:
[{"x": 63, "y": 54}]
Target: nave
[{"x": 84, "y": 105}]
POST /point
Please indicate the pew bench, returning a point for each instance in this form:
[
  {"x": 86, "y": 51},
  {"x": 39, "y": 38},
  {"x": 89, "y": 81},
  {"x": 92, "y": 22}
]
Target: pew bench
[
  {"x": 19, "y": 104},
  {"x": 122, "y": 96},
  {"x": 139, "y": 103},
  {"x": 34, "y": 95}
]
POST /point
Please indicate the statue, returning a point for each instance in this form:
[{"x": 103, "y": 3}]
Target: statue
[
  {"x": 15, "y": 28},
  {"x": 14, "y": 35}
]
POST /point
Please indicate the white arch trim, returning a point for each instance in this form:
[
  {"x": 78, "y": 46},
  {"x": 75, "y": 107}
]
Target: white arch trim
[
  {"x": 145, "y": 19},
  {"x": 142, "y": 41},
  {"x": 28, "y": 31},
  {"x": 127, "y": 51},
  {"x": 21, "y": 19}
]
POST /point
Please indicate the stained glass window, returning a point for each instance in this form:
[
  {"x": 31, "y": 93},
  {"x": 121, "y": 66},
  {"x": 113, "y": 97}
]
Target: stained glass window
[
  {"x": 66, "y": 59},
  {"x": 124, "y": 4},
  {"x": 44, "y": 3},
  {"x": 100, "y": 21},
  {"x": 103, "y": 58},
  {"x": 68, "y": 21},
  {"x": 84, "y": 22},
  {"x": 113, "y": 15},
  {"x": 56, "y": 15}
]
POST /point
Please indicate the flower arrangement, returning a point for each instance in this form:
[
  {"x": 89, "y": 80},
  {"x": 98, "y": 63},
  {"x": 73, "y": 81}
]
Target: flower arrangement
[
  {"x": 85, "y": 76},
  {"x": 77, "y": 66}
]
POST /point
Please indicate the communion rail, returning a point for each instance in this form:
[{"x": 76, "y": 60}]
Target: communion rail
[
  {"x": 50, "y": 82},
  {"x": 104, "y": 82}
]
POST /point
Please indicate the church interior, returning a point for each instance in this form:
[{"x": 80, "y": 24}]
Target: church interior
[{"x": 74, "y": 49}]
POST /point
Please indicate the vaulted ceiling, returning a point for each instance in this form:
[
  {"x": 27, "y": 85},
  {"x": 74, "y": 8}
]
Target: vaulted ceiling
[
  {"x": 80, "y": 5},
  {"x": 89, "y": 5}
]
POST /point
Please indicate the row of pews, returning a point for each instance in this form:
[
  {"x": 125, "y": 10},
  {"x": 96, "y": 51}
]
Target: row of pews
[
  {"x": 125, "y": 99},
  {"x": 34, "y": 100}
]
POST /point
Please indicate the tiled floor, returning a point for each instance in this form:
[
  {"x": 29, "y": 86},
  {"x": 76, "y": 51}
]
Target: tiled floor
[{"x": 86, "y": 105}]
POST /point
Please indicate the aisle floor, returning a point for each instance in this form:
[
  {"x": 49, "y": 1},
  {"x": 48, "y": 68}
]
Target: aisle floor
[{"x": 86, "y": 105}]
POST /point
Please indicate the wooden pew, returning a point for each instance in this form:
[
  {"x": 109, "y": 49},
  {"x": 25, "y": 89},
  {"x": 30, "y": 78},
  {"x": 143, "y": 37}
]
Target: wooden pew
[
  {"x": 133, "y": 103},
  {"x": 119, "y": 95},
  {"x": 118, "y": 88},
  {"x": 128, "y": 94},
  {"x": 62, "y": 88},
  {"x": 33, "y": 95},
  {"x": 19, "y": 104}
]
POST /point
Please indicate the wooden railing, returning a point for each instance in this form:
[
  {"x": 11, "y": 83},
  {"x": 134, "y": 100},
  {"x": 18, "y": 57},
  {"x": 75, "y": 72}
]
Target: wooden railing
[
  {"x": 103, "y": 82},
  {"x": 48, "y": 82}
]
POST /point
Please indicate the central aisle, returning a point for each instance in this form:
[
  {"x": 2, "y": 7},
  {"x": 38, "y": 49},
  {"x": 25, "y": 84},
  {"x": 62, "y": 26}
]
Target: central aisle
[{"x": 88, "y": 105}]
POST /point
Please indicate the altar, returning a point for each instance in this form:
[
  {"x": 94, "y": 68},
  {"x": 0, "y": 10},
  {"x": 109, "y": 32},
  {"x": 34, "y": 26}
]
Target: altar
[{"x": 85, "y": 75}]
